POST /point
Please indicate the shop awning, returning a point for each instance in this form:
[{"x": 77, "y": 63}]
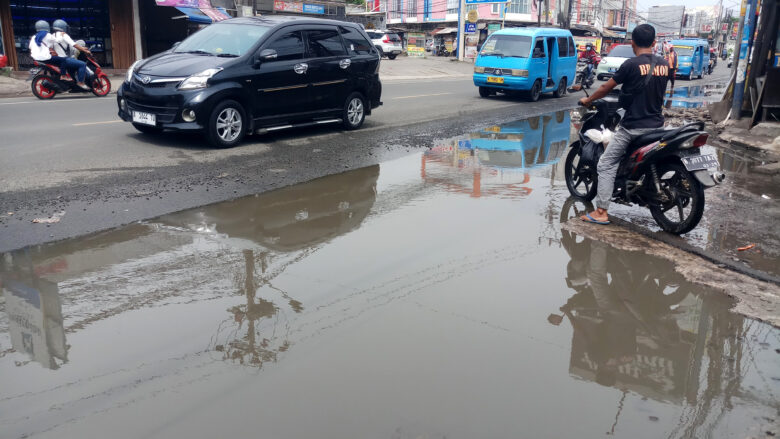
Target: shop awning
[
  {"x": 195, "y": 15},
  {"x": 446, "y": 30}
]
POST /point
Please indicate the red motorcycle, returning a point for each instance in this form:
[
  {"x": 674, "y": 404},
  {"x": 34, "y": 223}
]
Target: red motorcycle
[{"x": 48, "y": 79}]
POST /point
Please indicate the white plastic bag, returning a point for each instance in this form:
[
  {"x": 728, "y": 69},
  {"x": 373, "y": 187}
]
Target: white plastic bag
[
  {"x": 594, "y": 135},
  {"x": 606, "y": 137}
]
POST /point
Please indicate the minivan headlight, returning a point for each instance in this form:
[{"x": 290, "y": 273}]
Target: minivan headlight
[
  {"x": 129, "y": 75},
  {"x": 520, "y": 72},
  {"x": 478, "y": 69},
  {"x": 685, "y": 64},
  {"x": 199, "y": 80}
]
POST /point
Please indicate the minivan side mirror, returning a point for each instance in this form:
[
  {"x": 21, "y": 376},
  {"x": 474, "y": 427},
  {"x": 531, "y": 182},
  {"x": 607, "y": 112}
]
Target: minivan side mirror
[{"x": 265, "y": 55}]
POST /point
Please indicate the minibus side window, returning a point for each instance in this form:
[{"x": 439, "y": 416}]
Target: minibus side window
[
  {"x": 539, "y": 48},
  {"x": 563, "y": 47},
  {"x": 572, "y": 47}
]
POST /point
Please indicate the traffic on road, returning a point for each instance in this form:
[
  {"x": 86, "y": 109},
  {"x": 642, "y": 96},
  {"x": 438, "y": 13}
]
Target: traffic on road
[{"x": 294, "y": 227}]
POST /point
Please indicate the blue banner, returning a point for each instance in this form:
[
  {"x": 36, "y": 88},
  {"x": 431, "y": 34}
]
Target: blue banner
[{"x": 313, "y": 9}]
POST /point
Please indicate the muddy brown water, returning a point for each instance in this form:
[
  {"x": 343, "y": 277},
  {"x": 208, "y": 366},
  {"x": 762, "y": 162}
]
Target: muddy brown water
[{"x": 432, "y": 296}]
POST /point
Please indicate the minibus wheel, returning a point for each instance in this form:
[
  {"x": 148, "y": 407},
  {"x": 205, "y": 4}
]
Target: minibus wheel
[
  {"x": 536, "y": 91},
  {"x": 485, "y": 92},
  {"x": 561, "y": 88}
]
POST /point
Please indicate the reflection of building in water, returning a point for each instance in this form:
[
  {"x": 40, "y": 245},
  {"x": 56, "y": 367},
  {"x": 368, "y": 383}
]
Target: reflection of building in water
[
  {"x": 34, "y": 313},
  {"x": 640, "y": 327},
  {"x": 254, "y": 348},
  {"x": 495, "y": 160},
  {"x": 188, "y": 252}
]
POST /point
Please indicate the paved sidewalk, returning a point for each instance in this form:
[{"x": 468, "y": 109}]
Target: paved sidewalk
[{"x": 432, "y": 67}]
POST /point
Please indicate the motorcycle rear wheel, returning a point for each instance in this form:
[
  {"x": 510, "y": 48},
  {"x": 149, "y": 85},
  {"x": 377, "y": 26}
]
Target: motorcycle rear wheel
[
  {"x": 40, "y": 90},
  {"x": 683, "y": 192},
  {"x": 578, "y": 179}
]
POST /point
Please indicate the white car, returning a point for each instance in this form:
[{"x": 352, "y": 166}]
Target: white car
[
  {"x": 388, "y": 43},
  {"x": 614, "y": 59}
]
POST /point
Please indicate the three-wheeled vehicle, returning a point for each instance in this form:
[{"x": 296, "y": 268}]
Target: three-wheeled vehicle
[
  {"x": 693, "y": 57},
  {"x": 529, "y": 60}
]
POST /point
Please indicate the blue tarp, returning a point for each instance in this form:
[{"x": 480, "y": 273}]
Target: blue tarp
[{"x": 197, "y": 16}]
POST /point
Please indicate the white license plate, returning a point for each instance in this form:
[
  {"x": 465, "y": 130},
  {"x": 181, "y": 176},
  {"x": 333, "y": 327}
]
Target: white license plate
[
  {"x": 698, "y": 162},
  {"x": 144, "y": 118}
]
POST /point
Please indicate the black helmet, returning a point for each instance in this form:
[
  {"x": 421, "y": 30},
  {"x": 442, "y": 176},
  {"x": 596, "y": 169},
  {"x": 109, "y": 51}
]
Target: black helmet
[
  {"x": 60, "y": 25},
  {"x": 42, "y": 25}
]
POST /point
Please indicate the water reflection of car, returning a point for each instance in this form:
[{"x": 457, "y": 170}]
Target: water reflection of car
[
  {"x": 614, "y": 59},
  {"x": 535, "y": 142},
  {"x": 291, "y": 218}
]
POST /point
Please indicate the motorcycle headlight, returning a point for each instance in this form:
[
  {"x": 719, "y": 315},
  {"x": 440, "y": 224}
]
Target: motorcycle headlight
[
  {"x": 478, "y": 69},
  {"x": 199, "y": 80},
  {"x": 129, "y": 75}
]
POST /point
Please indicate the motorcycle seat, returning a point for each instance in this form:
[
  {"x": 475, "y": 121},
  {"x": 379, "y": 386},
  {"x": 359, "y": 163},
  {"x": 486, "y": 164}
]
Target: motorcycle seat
[
  {"x": 51, "y": 67},
  {"x": 666, "y": 134}
]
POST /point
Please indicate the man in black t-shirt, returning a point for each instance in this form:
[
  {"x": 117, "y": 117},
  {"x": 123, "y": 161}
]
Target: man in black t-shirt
[{"x": 643, "y": 115}]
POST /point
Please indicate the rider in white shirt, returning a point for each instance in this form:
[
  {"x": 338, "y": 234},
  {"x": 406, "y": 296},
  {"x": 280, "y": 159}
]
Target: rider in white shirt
[
  {"x": 42, "y": 43},
  {"x": 62, "y": 45}
]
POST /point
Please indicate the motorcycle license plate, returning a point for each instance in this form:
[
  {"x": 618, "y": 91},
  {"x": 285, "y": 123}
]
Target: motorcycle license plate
[
  {"x": 698, "y": 162},
  {"x": 144, "y": 118},
  {"x": 495, "y": 80}
]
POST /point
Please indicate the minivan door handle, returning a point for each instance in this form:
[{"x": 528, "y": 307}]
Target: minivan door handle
[
  {"x": 301, "y": 68},
  {"x": 344, "y": 63}
]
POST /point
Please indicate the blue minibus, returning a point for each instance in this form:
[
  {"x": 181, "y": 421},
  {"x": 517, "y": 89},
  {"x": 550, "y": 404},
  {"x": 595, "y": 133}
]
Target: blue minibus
[
  {"x": 693, "y": 57},
  {"x": 529, "y": 60}
]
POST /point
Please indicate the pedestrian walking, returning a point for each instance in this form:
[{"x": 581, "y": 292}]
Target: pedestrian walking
[{"x": 672, "y": 59}]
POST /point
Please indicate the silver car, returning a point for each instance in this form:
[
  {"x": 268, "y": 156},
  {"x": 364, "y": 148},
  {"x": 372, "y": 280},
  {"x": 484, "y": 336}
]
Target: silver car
[{"x": 388, "y": 43}]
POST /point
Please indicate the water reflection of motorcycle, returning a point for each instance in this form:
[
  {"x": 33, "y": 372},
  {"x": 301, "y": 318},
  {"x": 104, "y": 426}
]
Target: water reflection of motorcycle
[{"x": 48, "y": 79}]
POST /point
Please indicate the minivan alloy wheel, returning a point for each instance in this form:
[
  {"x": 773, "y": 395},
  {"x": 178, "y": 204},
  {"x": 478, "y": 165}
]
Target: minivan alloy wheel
[
  {"x": 229, "y": 124},
  {"x": 355, "y": 111}
]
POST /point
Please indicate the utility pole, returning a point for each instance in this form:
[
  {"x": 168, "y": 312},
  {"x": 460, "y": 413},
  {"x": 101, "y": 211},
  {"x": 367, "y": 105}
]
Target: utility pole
[
  {"x": 538, "y": 12},
  {"x": 461, "y": 29},
  {"x": 745, "y": 33},
  {"x": 682, "y": 21},
  {"x": 568, "y": 14}
]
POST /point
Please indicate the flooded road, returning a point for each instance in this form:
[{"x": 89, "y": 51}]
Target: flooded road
[{"x": 432, "y": 296}]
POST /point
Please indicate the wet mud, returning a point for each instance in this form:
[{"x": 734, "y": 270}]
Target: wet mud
[{"x": 442, "y": 294}]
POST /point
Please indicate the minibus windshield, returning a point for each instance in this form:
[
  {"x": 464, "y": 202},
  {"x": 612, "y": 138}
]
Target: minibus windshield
[
  {"x": 516, "y": 46},
  {"x": 683, "y": 50}
]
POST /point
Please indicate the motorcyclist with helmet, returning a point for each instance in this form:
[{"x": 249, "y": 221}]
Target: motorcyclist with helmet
[
  {"x": 589, "y": 55},
  {"x": 42, "y": 44},
  {"x": 62, "y": 46}
]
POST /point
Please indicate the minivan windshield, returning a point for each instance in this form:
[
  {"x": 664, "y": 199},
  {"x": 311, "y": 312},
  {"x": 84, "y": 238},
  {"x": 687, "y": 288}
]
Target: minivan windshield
[
  {"x": 622, "y": 52},
  {"x": 683, "y": 50},
  {"x": 516, "y": 46},
  {"x": 223, "y": 39}
]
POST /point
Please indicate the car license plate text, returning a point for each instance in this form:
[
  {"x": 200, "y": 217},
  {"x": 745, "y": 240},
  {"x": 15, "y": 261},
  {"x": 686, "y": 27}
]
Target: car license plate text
[
  {"x": 144, "y": 118},
  {"x": 612, "y": 69},
  {"x": 495, "y": 80},
  {"x": 698, "y": 162}
]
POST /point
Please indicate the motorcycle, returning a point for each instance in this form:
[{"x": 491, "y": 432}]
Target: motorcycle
[
  {"x": 48, "y": 79},
  {"x": 663, "y": 170},
  {"x": 583, "y": 66}
]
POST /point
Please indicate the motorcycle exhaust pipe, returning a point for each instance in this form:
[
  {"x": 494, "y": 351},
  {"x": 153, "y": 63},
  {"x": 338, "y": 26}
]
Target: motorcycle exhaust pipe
[
  {"x": 52, "y": 85},
  {"x": 718, "y": 177}
]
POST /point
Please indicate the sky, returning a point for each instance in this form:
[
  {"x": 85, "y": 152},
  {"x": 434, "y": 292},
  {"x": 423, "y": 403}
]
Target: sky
[{"x": 644, "y": 5}]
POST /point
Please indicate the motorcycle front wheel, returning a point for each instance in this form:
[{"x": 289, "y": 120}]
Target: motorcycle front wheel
[
  {"x": 101, "y": 86},
  {"x": 581, "y": 179},
  {"x": 683, "y": 199}
]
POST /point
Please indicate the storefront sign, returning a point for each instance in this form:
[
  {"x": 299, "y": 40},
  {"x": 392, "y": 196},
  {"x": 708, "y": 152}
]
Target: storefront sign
[
  {"x": 415, "y": 44},
  {"x": 471, "y": 28},
  {"x": 472, "y": 16},
  {"x": 581, "y": 42},
  {"x": 493, "y": 27},
  {"x": 313, "y": 9},
  {"x": 204, "y": 6},
  {"x": 299, "y": 8}
]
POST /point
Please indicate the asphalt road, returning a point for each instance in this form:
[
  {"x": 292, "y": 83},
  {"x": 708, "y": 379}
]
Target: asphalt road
[{"x": 73, "y": 155}]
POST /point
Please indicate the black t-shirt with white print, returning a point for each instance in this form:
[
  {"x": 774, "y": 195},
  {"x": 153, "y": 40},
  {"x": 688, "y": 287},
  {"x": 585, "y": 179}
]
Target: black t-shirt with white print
[{"x": 646, "y": 109}]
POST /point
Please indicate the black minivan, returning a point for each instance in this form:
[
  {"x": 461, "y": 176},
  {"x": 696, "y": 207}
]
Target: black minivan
[{"x": 255, "y": 74}]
